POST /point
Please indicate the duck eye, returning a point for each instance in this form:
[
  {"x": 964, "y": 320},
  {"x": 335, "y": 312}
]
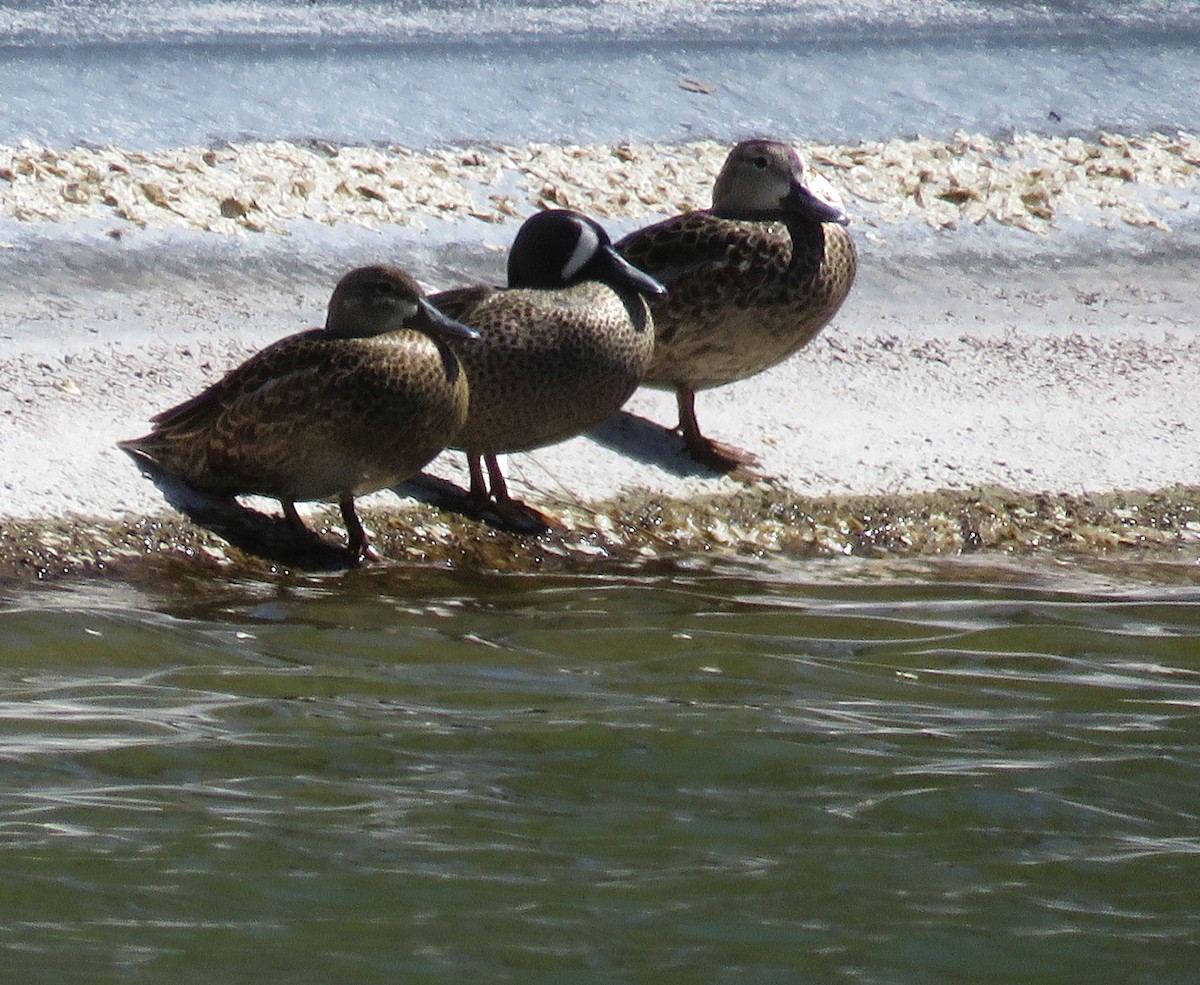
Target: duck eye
[{"x": 760, "y": 162}]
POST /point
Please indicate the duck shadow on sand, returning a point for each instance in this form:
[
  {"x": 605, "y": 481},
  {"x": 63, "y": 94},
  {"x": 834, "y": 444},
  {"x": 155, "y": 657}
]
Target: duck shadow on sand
[
  {"x": 435, "y": 491},
  {"x": 635, "y": 437},
  {"x": 650, "y": 443},
  {"x": 268, "y": 537},
  {"x": 446, "y": 495}
]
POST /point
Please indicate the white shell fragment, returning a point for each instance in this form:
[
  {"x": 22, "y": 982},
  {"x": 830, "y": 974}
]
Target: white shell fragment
[{"x": 1027, "y": 181}]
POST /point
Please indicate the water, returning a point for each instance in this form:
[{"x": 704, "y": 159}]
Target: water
[
  {"x": 428, "y": 72},
  {"x": 694, "y": 770},
  {"x": 751, "y": 772}
]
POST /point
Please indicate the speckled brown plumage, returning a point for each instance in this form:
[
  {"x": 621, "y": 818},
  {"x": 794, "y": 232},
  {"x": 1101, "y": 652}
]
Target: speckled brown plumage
[
  {"x": 559, "y": 351},
  {"x": 746, "y": 295},
  {"x": 549, "y": 364},
  {"x": 328, "y": 413},
  {"x": 751, "y": 281}
]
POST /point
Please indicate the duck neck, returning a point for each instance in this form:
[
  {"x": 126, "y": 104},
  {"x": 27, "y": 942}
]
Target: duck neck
[
  {"x": 808, "y": 244},
  {"x": 450, "y": 364}
]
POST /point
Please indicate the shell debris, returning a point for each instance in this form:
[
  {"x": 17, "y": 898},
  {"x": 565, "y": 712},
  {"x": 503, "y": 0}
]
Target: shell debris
[{"x": 1027, "y": 181}]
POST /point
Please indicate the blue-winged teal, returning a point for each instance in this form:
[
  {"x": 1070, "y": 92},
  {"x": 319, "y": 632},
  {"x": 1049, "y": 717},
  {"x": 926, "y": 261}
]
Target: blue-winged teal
[
  {"x": 751, "y": 280},
  {"x": 560, "y": 349},
  {"x": 330, "y": 413}
]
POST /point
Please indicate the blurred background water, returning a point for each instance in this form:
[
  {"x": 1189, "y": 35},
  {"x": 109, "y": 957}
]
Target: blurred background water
[
  {"x": 151, "y": 74},
  {"x": 719, "y": 771}
]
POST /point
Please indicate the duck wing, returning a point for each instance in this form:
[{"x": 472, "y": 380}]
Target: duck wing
[
  {"x": 278, "y": 360},
  {"x": 459, "y": 302},
  {"x": 671, "y": 248}
]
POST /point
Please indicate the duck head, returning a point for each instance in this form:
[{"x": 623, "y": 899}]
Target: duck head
[
  {"x": 768, "y": 180},
  {"x": 378, "y": 299},
  {"x": 560, "y": 248}
]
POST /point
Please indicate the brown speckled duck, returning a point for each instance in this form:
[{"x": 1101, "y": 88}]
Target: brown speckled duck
[
  {"x": 330, "y": 413},
  {"x": 560, "y": 349},
  {"x": 751, "y": 280}
]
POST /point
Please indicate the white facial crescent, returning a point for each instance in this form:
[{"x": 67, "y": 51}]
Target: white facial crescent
[{"x": 584, "y": 250}]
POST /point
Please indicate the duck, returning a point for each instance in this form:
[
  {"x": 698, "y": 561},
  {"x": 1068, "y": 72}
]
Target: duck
[
  {"x": 330, "y": 413},
  {"x": 752, "y": 280},
  {"x": 560, "y": 349}
]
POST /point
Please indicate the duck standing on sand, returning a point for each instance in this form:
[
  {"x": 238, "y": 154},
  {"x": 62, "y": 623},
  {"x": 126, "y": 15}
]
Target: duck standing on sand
[
  {"x": 330, "y": 413},
  {"x": 560, "y": 349},
  {"x": 752, "y": 280}
]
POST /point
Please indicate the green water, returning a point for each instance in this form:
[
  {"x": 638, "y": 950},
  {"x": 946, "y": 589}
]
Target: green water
[{"x": 831, "y": 771}]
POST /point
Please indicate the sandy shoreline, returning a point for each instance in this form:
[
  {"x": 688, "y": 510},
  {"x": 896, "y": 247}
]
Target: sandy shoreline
[
  {"x": 937, "y": 380},
  {"x": 1026, "y": 181}
]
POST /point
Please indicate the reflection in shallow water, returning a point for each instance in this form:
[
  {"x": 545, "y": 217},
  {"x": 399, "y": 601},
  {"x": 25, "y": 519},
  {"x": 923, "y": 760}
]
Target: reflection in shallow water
[{"x": 827, "y": 771}]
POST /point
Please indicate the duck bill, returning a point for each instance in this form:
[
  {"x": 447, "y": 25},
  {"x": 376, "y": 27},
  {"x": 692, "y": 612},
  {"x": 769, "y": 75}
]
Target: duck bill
[
  {"x": 443, "y": 326},
  {"x": 816, "y": 200},
  {"x": 619, "y": 272}
]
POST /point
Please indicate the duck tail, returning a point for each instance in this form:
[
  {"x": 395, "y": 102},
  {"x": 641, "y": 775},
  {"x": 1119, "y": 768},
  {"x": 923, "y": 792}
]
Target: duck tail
[{"x": 144, "y": 449}]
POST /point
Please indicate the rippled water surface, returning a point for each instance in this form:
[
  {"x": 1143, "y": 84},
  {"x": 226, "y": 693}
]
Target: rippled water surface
[{"x": 739, "y": 772}]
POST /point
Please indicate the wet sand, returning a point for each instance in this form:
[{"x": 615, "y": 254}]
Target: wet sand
[{"x": 1008, "y": 403}]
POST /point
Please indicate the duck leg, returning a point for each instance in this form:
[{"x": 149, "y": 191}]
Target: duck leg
[
  {"x": 356, "y": 536},
  {"x": 358, "y": 545},
  {"x": 293, "y": 519},
  {"x": 716, "y": 455},
  {"x": 512, "y": 513},
  {"x": 478, "y": 497},
  {"x": 517, "y": 516}
]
